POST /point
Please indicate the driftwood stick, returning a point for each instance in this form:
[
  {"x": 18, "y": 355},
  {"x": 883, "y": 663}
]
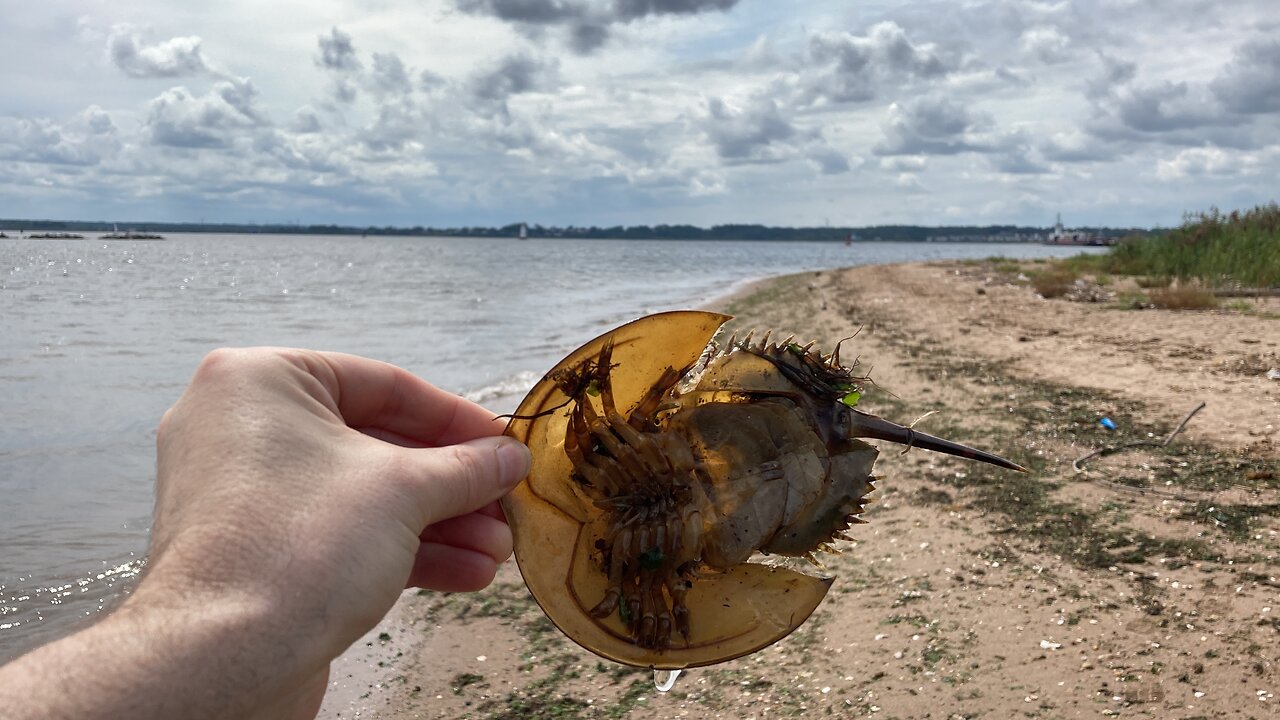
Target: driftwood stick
[{"x": 1078, "y": 467}]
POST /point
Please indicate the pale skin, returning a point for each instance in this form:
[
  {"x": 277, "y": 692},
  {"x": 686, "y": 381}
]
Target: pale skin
[{"x": 297, "y": 494}]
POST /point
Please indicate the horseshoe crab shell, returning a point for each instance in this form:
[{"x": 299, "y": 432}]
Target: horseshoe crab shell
[{"x": 661, "y": 465}]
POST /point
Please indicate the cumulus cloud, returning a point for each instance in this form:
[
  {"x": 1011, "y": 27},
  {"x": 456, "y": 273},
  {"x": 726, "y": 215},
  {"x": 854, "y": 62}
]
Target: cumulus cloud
[
  {"x": 1076, "y": 147},
  {"x": 1112, "y": 73},
  {"x": 1250, "y": 83},
  {"x": 929, "y": 126},
  {"x": 1016, "y": 154},
  {"x": 306, "y": 121},
  {"x": 746, "y": 134},
  {"x": 1046, "y": 43},
  {"x": 843, "y": 67},
  {"x": 337, "y": 52},
  {"x": 829, "y": 162},
  {"x": 397, "y": 127},
  {"x": 1164, "y": 106},
  {"x": 1207, "y": 161},
  {"x": 491, "y": 88},
  {"x": 742, "y": 118},
  {"x": 214, "y": 120},
  {"x": 586, "y": 23},
  {"x": 1129, "y": 107},
  {"x": 338, "y": 57},
  {"x": 389, "y": 76},
  {"x": 176, "y": 57},
  {"x": 85, "y": 139}
]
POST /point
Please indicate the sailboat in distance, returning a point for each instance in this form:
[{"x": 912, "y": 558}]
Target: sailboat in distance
[{"x": 524, "y": 231}]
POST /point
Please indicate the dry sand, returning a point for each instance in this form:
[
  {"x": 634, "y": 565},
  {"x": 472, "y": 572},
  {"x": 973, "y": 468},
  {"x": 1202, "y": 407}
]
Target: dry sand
[{"x": 1148, "y": 586}]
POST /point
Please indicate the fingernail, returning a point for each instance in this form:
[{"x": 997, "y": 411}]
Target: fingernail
[{"x": 514, "y": 460}]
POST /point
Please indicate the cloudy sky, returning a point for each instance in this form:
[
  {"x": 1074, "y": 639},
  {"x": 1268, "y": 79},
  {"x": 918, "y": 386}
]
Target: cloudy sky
[{"x": 484, "y": 112}]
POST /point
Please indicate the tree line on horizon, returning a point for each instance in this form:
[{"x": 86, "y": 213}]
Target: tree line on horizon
[{"x": 916, "y": 233}]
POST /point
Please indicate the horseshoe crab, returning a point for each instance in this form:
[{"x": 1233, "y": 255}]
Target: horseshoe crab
[{"x": 667, "y": 472}]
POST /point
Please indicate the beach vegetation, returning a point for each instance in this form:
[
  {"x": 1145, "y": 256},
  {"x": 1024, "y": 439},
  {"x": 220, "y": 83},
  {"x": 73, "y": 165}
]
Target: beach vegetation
[
  {"x": 1153, "y": 281},
  {"x": 1183, "y": 296},
  {"x": 1218, "y": 249},
  {"x": 1053, "y": 281}
]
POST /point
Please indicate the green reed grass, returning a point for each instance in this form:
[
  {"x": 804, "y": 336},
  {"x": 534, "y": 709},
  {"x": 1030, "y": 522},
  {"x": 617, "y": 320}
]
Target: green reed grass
[{"x": 1237, "y": 248}]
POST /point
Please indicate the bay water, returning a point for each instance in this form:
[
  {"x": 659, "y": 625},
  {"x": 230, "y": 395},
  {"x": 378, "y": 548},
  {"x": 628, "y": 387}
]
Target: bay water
[{"x": 98, "y": 338}]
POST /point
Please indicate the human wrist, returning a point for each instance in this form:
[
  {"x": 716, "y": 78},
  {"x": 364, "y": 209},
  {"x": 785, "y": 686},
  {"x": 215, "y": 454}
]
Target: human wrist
[{"x": 160, "y": 656}]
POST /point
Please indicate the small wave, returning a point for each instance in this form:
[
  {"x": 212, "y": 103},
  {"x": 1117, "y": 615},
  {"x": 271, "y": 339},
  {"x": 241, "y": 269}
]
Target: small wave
[{"x": 517, "y": 384}]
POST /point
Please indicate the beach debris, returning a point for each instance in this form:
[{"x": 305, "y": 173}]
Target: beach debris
[
  {"x": 1273, "y": 374},
  {"x": 680, "y": 489},
  {"x": 1087, "y": 291},
  {"x": 1108, "y": 423},
  {"x": 1078, "y": 463}
]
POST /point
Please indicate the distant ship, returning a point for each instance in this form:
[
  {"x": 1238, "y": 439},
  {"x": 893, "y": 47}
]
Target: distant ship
[
  {"x": 1062, "y": 236},
  {"x": 524, "y": 231},
  {"x": 55, "y": 236}
]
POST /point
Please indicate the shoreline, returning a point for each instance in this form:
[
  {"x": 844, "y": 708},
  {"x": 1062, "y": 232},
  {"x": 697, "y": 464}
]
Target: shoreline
[{"x": 1144, "y": 586}]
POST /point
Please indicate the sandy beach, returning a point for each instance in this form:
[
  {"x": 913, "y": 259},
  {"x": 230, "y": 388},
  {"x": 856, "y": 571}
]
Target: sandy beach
[{"x": 1146, "y": 586}]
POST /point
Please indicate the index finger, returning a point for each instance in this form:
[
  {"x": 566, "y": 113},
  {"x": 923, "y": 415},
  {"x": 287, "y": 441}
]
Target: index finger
[{"x": 374, "y": 394}]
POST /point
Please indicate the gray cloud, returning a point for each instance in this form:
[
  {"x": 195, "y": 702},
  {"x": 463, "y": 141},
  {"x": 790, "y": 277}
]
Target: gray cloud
[
  {"x": 389, "y": 76},
  {"x": 746, "y": 134},
  {"x": 176, "y": 57},
  {"x": 1113, "y": 73},
  {"x": 1016, "y": 154},
  {"x": 396, "y": 125},
  {"x": 843, "y": 67},
  {"x": 586, "y": 23},
  {"x": 513, "y": 75},
  {"x": 1046, "y": 43},
  {"x": 338, "y": 56},
  {"x": 88, "y": 138},
  {"x": 344, "y": 91},
  {"x": 829, "y": 162},
  {"x": 533, "y": 12},
  {"x": 1250, "y": 83},
  {"x": 584, "y": 37},
  {"x": 306, "y": 121},
  {"x": 337, "y": 52},
  {"x": 1078, "y": 147},
  {"x": 929, "y": 126},
  {"x": 632, "y": 9},
  {"x": 214, "y": 120},
  {"x": 1163, "y": 107}
]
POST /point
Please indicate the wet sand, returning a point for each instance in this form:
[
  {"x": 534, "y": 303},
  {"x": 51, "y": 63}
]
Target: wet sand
[{"x": 1146, "y": 586}]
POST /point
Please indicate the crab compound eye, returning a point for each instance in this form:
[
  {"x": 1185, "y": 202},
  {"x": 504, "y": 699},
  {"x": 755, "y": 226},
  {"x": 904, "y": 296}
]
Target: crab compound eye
[{"x": 844, "y": 420}]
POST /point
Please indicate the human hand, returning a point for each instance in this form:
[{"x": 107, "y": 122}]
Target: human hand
[
  {"x": 297, "y": 494},
  {"x": 313, "y": 487}
]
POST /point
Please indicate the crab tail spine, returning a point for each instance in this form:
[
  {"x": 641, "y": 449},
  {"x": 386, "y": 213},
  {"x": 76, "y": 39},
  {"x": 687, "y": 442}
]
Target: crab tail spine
[{"x": 871, "y": 426}]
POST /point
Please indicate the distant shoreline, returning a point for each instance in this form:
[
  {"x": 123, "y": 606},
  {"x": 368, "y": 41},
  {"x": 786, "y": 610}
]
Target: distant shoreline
[{"x": 735, "y": 232}]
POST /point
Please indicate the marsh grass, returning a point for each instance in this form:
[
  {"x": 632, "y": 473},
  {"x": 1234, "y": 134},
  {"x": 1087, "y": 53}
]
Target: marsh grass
[
  {"x": 1232, "y": 249},
  {"x": 1053, "y": 281},
  {"x": 1183, "y": 297}
]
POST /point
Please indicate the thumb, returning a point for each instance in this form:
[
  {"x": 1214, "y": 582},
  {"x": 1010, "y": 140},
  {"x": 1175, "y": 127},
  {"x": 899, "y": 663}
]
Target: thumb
[{"x": 459, "y": 479}]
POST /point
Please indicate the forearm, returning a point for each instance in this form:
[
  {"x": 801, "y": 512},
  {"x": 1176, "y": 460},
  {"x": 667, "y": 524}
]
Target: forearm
[{"x": 153, "y": 658}]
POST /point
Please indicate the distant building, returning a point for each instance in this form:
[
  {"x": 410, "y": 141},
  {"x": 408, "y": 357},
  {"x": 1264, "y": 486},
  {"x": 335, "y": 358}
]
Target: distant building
[{"x": 1062, "y": 236}]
